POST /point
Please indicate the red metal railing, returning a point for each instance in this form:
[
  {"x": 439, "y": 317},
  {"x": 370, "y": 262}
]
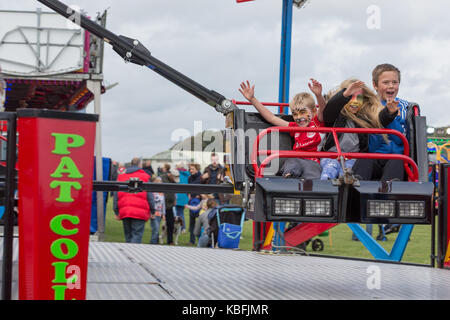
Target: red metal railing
[{"x": 413, "y": 172}]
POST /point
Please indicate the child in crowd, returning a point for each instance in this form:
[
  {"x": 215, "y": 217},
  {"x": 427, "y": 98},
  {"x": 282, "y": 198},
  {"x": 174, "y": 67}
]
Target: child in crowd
[
  {"x": 203, "y": 222},
  {"x": 198, "y": 207},
  {"x": 386, "y": 81},
  {"x": 201, "y": 206},
  {"x": 353, "y": 106},
  {"x": 303, "y": 109},
  {"x": 160, "y": 210}
]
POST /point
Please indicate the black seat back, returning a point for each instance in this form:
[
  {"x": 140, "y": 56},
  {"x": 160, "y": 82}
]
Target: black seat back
[
  {"x": 417, "y": 139},
  {"x": 246, "y": 127}
]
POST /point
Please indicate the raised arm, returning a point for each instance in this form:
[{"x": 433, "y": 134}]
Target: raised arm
[
  {"x": 316, "y": 88},
  {"x": 249, "y": 93}
]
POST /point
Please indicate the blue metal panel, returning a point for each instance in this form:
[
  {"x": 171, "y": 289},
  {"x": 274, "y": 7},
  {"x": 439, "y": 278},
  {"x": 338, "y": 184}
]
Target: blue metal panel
[{"x": 377, "y": 251}]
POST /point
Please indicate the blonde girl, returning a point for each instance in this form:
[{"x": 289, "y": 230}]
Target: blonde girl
[{"x": 354, "y": 105}]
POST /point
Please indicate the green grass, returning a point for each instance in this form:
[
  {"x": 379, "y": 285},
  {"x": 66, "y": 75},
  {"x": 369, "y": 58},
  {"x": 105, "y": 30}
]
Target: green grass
[{"x": 337, "y": 243}]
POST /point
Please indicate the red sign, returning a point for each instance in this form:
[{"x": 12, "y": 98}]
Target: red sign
[{"x": 55, "y": 160}]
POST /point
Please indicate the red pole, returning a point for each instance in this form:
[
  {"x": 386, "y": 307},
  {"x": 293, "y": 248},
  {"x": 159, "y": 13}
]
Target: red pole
[{"x": 56, "y": 159}]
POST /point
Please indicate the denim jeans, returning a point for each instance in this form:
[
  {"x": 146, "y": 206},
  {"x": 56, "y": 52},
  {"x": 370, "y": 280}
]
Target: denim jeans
[
  {"x": 154, "y": 224},
  {"x": 179, "y": 212},
  {"x": 331, "y": 168},
  {"x": 133, "y": 229},
  {"x": 203, "y": 240}
]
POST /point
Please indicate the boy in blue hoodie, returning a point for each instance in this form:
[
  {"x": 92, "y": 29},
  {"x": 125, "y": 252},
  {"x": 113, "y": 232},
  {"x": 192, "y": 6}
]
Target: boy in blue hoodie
[{"x": 386, "y": 81}]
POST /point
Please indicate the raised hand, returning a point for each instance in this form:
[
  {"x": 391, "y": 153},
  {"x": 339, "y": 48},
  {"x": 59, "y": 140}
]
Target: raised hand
[
  {"x": 392, "y": 105},
  {"x": 315, "y": 87},
  {"x": 247, "y": 91},
  {"x": 354, "y": 88}
]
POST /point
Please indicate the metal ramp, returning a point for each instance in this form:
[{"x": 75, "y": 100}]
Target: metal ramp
[{"x": 120, "y": 271}]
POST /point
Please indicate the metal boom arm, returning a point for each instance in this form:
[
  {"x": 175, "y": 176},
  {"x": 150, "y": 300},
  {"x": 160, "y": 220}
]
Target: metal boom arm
[{"x": 133, "y": 51}]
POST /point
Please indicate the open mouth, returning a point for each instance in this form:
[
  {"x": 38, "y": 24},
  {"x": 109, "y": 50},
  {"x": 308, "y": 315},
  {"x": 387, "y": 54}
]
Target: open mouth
[
  {"x": 302, "y": 121},
  {"x": 390, "y": 94}
]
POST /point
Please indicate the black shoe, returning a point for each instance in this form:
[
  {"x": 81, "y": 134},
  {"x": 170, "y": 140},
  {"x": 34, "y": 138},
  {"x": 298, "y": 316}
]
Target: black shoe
[
  {"x": 391, "y": 229},
  {"x": 381, "y": 237}
]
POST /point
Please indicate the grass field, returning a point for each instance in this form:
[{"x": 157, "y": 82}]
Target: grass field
[{"x": 337, "y": 243}]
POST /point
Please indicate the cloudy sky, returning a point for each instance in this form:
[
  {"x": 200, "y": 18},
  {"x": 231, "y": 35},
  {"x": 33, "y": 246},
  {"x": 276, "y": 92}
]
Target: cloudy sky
[{"x": 220, "y": 43}]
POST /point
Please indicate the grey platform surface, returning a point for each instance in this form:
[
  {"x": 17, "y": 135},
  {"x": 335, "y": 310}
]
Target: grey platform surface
[{"x": 152, "y": 272}]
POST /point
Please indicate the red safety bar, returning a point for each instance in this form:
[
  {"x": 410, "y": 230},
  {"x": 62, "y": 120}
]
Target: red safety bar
[{"x": 413, "y": 174}]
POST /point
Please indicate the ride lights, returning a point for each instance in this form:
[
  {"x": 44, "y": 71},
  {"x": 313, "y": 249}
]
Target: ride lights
[
  {"x": 288, "y": 207},
  {"x": 411, "y": 209},
  {"x": 381, "y": 208},
  {"x": 382, "y": 202},
  {"x": 295, "y": 200},
  {"x": 318, "y": 207}
]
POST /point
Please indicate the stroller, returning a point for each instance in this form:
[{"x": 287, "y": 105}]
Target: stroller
[
  {"x": 316, "y": 243},
  {"x": 226, "y": 223}
]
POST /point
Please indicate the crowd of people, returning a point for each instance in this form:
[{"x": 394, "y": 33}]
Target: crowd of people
[
  {"x": 164, "y": 209},
  {"x": 352, "y": 105}
]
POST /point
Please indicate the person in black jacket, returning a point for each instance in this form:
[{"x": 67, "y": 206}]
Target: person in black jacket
[
  {"x": 353, "y": 106},
  {"x": 214, "y": 174}
]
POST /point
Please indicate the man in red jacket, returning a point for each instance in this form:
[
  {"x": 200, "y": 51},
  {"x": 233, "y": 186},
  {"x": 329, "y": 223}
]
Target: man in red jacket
[{"x": 133, "y": 208}]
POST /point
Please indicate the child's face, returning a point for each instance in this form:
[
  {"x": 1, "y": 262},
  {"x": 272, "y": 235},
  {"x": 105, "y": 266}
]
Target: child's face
[
  {"x": 356, "y": 102},
  {"x": 387, "y": 86},
  {"x": 302, "y": 116},
  {"x": 193, "y": 170}
]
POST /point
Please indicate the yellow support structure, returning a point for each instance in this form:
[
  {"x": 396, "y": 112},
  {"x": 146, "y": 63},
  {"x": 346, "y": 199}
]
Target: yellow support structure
[
  {"x": 269, "y": 236},
  {"x": 447, "y": 256}
]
